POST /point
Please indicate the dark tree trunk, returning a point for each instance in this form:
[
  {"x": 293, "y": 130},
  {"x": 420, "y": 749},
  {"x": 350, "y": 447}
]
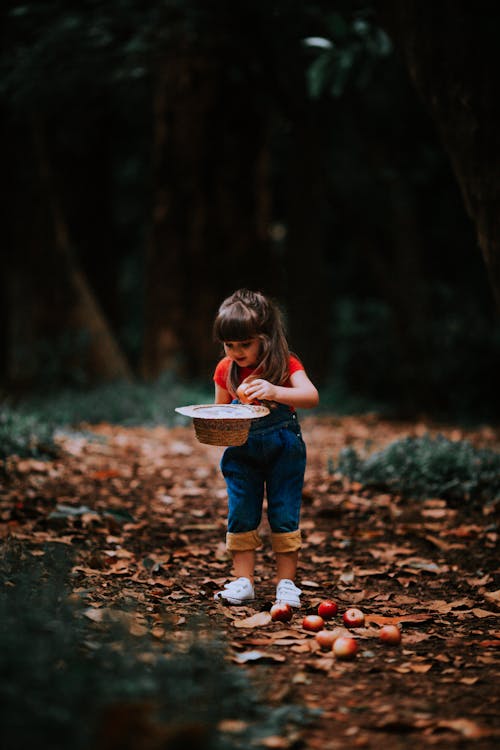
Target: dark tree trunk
[
  {"x": 211, "y": 206},
  {"x": 309, "y": 303},
  {"x": 55, "y": 327},
  {"x": 451, "y": 48}
]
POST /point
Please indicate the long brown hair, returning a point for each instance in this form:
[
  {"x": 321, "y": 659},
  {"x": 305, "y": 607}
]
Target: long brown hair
[{"x": 246, "y": 315}]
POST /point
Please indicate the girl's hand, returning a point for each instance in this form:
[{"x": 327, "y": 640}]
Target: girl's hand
[{"x": 260, "y": 389}]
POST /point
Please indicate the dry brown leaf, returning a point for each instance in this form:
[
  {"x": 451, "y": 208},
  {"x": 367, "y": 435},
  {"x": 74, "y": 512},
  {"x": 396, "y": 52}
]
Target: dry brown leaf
[
  {"x": 258, "y": 620},
  {"x": 324, "y": 664},
  {"x": 96, "y": 615},
  {"x": 274, "y": 741},
  {"x": 440, "y": 544},
  {"x": 382, "y": 620},
  {"x": 493, "y": 596},
  {"x": 248, "y": 656},
  {"x": 232, "y": 726},
  {"x": 420, "y": 668},
  {"x": 465, "y": 727},
  {"x": 481, "y": 613}
]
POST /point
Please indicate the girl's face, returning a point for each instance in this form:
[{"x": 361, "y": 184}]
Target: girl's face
[{"x": 244, "y": 353}]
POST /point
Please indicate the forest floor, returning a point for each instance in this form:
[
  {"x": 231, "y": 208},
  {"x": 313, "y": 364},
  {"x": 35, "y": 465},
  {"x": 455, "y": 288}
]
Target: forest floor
[{"x": 144, "y": 511}]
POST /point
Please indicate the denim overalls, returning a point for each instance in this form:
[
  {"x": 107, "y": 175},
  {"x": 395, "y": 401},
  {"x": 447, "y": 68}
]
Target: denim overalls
[{"x": 273, "y": 457}]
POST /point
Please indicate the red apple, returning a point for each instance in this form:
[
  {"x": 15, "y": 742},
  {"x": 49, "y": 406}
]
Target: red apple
[
  {"x": 326, "y": 638},
  {"x": 313, "y": 622},
  {"x": 327, "y": 609},
  {"x": 281, "y": 612},
  {"x": 241, "y": 393},
  {"x": 345, "y": 647},
  {"x": 390, "y": 634},
  {"x": 354, "y": 618}
]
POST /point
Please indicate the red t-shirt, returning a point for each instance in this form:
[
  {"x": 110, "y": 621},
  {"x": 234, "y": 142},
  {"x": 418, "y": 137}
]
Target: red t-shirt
[{"x": 222, "y": 371}]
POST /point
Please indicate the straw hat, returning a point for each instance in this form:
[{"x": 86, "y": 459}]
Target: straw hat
[{"x": 222, "y": 424}]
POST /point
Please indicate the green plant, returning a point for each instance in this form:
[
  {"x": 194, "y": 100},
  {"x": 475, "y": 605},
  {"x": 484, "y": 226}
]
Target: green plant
[
  {"x": 427, "y": 466},
  {"x": 24, "y": 434},
  {"x": 123, "y": 403}
]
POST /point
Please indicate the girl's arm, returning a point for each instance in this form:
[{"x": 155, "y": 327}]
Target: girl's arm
[
  {"x": 221, "y": 395},
  {"x": 302, "y": 394}
]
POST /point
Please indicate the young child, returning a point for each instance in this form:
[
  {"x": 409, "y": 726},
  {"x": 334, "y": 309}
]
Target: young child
[{"x": 250, "y": 327}]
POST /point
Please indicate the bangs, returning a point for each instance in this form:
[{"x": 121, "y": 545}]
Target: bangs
[{"x": 234, "y": 324}]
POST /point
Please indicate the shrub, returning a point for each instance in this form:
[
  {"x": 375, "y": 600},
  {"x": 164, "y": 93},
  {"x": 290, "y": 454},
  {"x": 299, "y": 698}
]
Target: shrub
[
  {"x": 24, "y": 434},
  {"x": 426, "y": 466},
  {"x": 123, "y": 403}
]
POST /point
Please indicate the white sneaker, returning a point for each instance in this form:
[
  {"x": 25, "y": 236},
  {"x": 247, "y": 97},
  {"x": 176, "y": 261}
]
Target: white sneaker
[
  {"x": 237, "y": 592},
  {"x": 288, "y": 593}
]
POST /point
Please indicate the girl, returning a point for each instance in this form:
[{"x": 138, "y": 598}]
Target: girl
[{"x": 250, "y": 327}]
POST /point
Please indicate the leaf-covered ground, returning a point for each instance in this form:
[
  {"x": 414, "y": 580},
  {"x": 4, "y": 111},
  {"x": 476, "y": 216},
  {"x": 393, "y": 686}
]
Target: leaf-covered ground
[{"x": 144, "y": 510}]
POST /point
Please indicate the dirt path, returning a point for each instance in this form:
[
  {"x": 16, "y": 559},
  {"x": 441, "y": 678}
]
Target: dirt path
[{"x": 144, "y": 511}]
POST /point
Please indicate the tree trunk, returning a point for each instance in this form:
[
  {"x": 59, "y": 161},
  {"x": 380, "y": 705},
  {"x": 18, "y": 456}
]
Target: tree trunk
[
  {"x": 307, "y": 280},
  {"x": 450, "y": 49},
  {"x": 211, "y": 206},
  {"x": 101, "y": 357}
]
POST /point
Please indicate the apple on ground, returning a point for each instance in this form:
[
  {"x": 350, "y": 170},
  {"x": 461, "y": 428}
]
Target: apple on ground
[
  {"x": 353, "y": 618},
  {"x": 327, "y": 609},
  {"x": 390, "y": 634},
  {"x": 313, "y": 622},
  {"x": 281, "y": 612},
  {"x": 326, "y": 638},
  {"x": 345, "y": 647}
]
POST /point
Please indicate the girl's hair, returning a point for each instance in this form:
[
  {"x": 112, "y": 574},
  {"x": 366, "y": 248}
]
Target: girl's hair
[{"x": 246, "y": 315}]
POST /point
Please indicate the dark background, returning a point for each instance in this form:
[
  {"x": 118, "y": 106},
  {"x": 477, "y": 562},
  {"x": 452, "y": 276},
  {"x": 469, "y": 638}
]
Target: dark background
[{"x": 158, "y": 156}]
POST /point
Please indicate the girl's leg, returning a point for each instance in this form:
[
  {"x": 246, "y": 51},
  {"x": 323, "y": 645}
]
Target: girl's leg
[
  {"x": 286, "y": 565},
  {"x": 244, "y": 563}
]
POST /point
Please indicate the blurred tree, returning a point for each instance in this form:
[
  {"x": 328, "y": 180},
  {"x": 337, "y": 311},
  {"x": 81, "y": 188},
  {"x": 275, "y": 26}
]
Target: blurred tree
[
  {"x": 211, "y": 209},
  {"x": 450, "y": 49},
  {"x": 226, "y": 84},
  {"x": 59, "y": 63}
]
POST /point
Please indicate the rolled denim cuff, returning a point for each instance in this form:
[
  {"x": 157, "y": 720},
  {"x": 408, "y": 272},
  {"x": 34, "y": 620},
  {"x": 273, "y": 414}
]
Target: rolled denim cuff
[
  {"x": 243, "y": 540},
  {"x": 288, "y": 541}
]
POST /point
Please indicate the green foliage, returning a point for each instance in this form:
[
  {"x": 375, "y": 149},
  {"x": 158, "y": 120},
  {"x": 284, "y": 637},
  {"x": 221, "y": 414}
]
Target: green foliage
[
  {"x": 448, "y": 369},
  {"x": 60, "y": 673},
  {"x": 348, "y": 57},
  {"x": 29, "y": 428},
  {"x": 427, "y": 467},
  {"x": 123, "y": 403},
  {"x": 24, "y": 434}
]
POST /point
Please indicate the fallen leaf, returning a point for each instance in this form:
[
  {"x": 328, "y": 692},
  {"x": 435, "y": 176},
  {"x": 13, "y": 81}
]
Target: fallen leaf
[
  {"x": 247, "y": 656},
  {"x": 255, "y": 621},
  {"x": 440, "y": 544},
  {"x": 381, "y": 620},
  {"x": 93, "y": 614},
  {"x": 274, "y": 740},
  {"x": 232, "y": 726},
  {"x": 492, "y": 596},
  {"x": 347, "y": 577},
  {"x": 465, "y": 727},
  {"x": 417, "y": 563},
  {"x": 478, "y": 612},
  {"x": 421, "y": 668}
]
